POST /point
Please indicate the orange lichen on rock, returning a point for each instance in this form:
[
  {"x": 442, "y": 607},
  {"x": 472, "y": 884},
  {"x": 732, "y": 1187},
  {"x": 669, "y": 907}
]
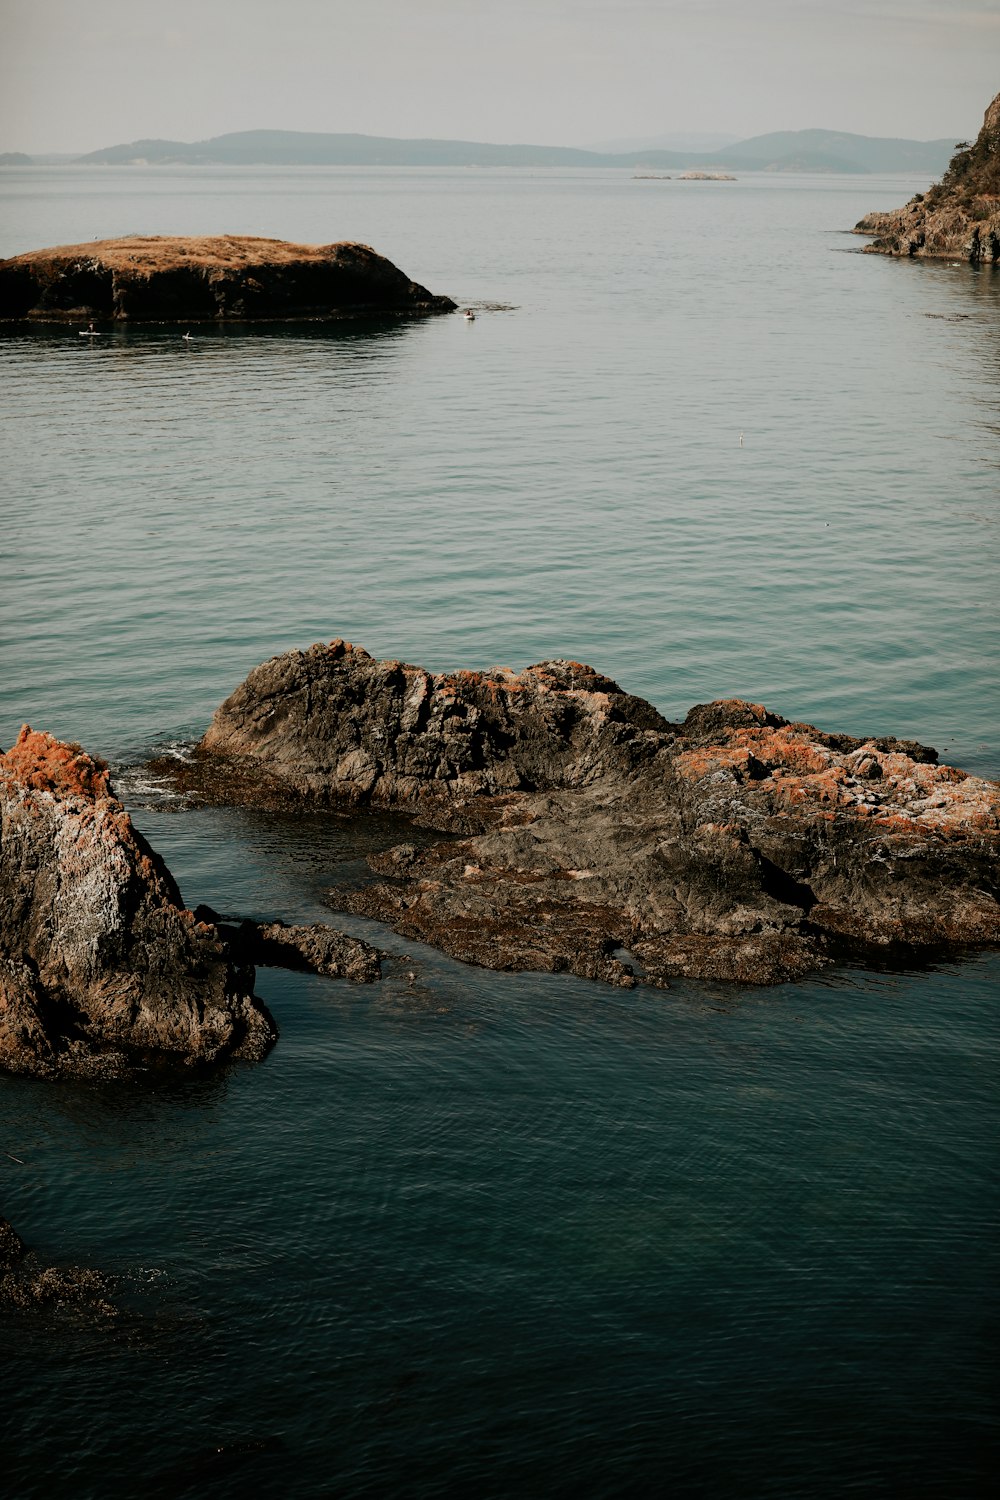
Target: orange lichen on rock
[
  {"x": 101, "y": 965},
  {"x": 887, "y": 787},
  {"x": 714, "y": 842},
  {"x": 40, "y": 763}
]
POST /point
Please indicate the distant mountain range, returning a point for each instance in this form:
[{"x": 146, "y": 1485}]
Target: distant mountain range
[
  {"x": 676, "y": 140},
  {"x": 782, "y": 151}
]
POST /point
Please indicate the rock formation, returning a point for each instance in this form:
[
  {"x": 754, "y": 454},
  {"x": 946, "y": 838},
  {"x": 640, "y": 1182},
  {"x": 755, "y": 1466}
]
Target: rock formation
[
  {"x": 157, "y": 278},
  {"x": 959, "y": 218},
  {"x": 736, "y": 845},
  {"x": 315, "y": 949},
  {"x": 101, "y": 966}
]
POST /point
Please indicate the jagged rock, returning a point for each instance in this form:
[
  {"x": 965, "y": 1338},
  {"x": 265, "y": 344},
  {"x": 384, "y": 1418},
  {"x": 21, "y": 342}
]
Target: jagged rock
[
  {"x": 334, "y": 725},
  {"x": 959, "y": 218},
  {"x": 101, "y": 966},
  {"x": 317, "y": 949},
  {"x": 161, "y": 278},
  {"x": 734, "y": 846}
]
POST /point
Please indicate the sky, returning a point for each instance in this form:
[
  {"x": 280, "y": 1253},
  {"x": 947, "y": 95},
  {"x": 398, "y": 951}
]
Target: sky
[{"x": 76, "y": 75}]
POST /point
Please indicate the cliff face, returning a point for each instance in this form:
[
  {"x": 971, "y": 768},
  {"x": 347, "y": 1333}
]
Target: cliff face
[
  {"x": 732, "y": 846},
  {"x": 162, "y": 279},
  {"x": 101, "y": 966},
  {"x": 959, "y": 218}
]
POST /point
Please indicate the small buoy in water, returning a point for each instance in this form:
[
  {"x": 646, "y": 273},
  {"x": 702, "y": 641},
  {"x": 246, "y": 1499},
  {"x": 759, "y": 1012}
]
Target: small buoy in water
[
  {"x": 186, "y": 335},
  {"x": 741, "y": 440}
]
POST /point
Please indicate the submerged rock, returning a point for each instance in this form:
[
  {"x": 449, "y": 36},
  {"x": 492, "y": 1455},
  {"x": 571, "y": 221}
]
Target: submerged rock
[
  {"x": 959, "y": 217},
  {"x": 101, "y": 966},
  {"x": 26, "y": 1284},
  {"x": 161, "y": 278},
  {"x": 734, "y": 846},
  {"x": 12, "y": 1247}
]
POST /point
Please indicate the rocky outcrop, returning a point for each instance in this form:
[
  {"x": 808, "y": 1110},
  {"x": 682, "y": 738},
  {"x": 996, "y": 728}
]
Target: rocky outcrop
[
  {"x": 157, "y": 278},
  {"x": 333, "y": 725},
  {"x": 735, "y": 845},
  {"x": 959, "y": 218},
  {"x": 313, "y": 949},
  {"x": 101, "y": 966}
]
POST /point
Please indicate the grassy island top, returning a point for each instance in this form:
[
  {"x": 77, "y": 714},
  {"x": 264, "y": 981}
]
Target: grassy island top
[{"x": 165, "y": 252}]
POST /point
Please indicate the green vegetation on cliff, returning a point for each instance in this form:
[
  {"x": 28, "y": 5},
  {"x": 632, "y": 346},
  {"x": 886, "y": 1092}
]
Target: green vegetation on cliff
[
  {"x": 959, "y": 218},
  {"x": 973, "y": 173}
]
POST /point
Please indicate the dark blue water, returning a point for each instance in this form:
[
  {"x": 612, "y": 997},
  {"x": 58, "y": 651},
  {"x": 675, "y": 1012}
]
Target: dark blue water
[{"x": 473, "y": 1233}]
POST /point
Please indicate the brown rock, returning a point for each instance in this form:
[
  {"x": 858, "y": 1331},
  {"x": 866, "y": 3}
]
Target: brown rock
[
  {"x": 735, "y": 846},
  {"x": 101, "y": 966},
  {"x": 160, "y": 278},
  {"x": 334, "y": 725},
  {"x": 316, "y": 949}
]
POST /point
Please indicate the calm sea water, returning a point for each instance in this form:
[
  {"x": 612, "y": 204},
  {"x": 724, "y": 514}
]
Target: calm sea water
[{"x": 515, "y": 1235}]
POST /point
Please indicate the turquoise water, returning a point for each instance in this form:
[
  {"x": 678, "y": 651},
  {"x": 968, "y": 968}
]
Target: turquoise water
[{"x": 476, "y": 1233}]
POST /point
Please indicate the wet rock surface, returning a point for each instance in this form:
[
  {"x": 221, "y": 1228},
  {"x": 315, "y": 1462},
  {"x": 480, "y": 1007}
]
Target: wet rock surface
[
  {"x": 734, "y": 846},
  {"x": 313, "y": 949},
  {"x": 161, "y": 278},
  {"x": 102, "y": 969},
  {"x": 959, "y": 218}
]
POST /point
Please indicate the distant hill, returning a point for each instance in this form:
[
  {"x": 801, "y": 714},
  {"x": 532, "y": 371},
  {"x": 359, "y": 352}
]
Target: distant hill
[
  {"x": 851, "y": 153},
  {"x": 784, "y": 151},
  {"x": 284, "y": 148},
  {"x": 678, "y": 140}
]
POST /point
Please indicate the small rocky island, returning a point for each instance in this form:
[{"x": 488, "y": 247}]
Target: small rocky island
[
  {"x": 586, "y": 833},
  {"x": 219, "y": 278},
  {"x": 959, "y": 218}
]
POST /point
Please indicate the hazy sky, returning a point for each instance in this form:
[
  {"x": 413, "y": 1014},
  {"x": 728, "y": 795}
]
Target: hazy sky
[{"x": 79, "y": 74}]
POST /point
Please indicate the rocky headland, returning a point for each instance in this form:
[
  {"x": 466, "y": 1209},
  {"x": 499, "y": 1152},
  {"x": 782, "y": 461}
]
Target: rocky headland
[
  {"x": 585, "y": 832},
  {"x": 959, "y": 217},
  {"x": 238, "y": 278}
]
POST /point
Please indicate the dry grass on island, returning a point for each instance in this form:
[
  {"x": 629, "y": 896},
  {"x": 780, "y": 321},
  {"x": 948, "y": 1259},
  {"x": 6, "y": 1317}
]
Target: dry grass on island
[{"x": 167, "y": 252}]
